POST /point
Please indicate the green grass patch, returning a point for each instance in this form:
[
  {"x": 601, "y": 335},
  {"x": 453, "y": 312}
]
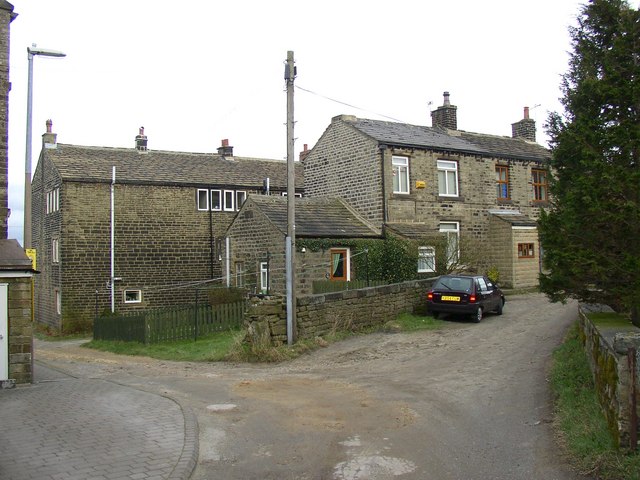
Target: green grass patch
[
  {"x": 609, "y": 319},
  {"x": 211, "y": 348},
  {"x": 580, "y": 420}
]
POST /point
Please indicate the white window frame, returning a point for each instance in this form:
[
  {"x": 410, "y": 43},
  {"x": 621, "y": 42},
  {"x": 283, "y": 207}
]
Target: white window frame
[
  {"x": 241, "y": 197},
  {"x": 228, "y": 206},
  {"x": 452, "y": 232},
  {"x": 137, "y": 295},
  {"x": 426, "y": 259},
  {"x": 202, "y": 194},
  {"x": 216, "y": 206},
  {"x": 53, "y": 200},
  {"x": 239, "y": 274},
  {"x": 264, "y": 277},
  {"x": 58, "y": 296},
  {"x": 295, "y": 195},
  {"x": 400, "y": 167},
  {"x": 55, "y": 250},
  {"x": 446, "y": 169}
]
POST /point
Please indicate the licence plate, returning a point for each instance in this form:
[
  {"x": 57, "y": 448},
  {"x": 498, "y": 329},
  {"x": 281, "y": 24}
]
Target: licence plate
[{"x": 449, "y": 298}]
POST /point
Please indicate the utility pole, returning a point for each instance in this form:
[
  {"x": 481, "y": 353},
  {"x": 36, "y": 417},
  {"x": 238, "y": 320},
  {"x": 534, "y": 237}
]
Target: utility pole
[{"x": 289, "y": 77}]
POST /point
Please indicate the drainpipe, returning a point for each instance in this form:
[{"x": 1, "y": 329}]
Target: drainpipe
[
  {"x": 113, "y": 182},
  {"x": 383, "y": 148}
]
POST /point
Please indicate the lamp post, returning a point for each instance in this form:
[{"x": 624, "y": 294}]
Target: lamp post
[{"x": 31, "y": 52}]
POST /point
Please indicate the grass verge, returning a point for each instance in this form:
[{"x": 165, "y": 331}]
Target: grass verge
[
  {"x": 579, "y": 419},
  {"x": 230, "y": 346}
]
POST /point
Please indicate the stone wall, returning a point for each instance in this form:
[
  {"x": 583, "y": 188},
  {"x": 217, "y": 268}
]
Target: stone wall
[
  {"x": 606, "y": 349},
  {"x": 20, "y": 329},
  {"x": 323, "y": 314},
  {"x": 6, "y": 16}
]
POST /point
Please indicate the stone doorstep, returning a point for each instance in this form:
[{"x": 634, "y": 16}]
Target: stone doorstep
[{"x": 11, "y": 383}]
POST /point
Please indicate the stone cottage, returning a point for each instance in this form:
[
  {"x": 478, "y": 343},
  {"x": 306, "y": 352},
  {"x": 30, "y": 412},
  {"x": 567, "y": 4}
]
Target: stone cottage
[
  {"x": 480, "y": 192},
  {"x": 256, "y": 242},
  {"x": 129, "y": 228}
]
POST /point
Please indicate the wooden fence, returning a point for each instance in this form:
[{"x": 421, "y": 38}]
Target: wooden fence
[{"x": 165, "y": 325}]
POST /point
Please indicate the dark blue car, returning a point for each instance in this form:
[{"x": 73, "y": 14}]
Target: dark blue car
[{"x": 471, "y": 295}]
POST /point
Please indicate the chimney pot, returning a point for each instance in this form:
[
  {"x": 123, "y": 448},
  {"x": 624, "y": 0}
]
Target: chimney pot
[
  {"x": 526, "y": 112},
  {"x": 225, "y": 142},
  {"x": 445, "y": 116},
  {"x": 225, "y": 150},
  {"x": 447, "y": 102},
  {"x": 141, "y": 141},
  {"x": 49, "y": 139},
  {"x": 525, "y": 128},
  {"x": 49, "y": 125}
]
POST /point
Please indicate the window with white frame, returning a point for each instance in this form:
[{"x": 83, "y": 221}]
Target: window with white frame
[
  {"x": 55, "y": 250},
  {"x": 202, "y": 199},
  {"x": 296, "y": 195},
  {"x": 264, "y": 277},
  {"x": 426, "y": 259},
  {"x": 216, "y": 200},
  {"x": 239, "y": 274},
  {"x": 229, "y": 197},
  {"x": 132, "y": 296},
  {"x": 452, "y": 234},
  {"x": 447, "y": 178},
  {"x": 400, "y": 174},
  {"x": 241, "y": 196},
  {"x": 53, "y": 200},
  {"x": 58, "y": 301}
]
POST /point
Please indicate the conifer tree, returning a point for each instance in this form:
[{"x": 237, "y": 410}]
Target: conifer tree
[{"x": 591, "y": 233}]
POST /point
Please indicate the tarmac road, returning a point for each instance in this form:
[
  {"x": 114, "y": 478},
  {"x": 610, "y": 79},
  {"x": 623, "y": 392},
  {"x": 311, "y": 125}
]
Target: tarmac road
[{"x": 468, "y": 402}]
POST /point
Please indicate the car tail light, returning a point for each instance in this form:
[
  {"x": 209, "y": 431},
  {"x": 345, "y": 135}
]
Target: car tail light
[
  {"x": 430, "y": 295},
  {"x": 472, "y": 299}
]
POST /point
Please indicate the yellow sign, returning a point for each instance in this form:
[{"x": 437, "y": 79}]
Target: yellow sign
[
  {"x": 31, "y": 253},
  {"x": 421, "y": 184}
]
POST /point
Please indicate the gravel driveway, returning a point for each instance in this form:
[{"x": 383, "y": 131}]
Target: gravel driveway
[{"x": 468, "y": 402}]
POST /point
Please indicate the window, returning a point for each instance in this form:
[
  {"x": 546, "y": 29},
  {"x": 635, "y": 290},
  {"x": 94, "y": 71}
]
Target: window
[
  {"x": 426, "y": 259},
  {"x": 229, "y": 200},
  {"x": 400, "y": 174},
  {"x": 540, "y": 186},
  {"x": 55, "y": 251},
  {"x": 447, "y": 178},
  {"x": 452, "y": 233},
  {"x": 296, "y": 195},
  {"x": 53, "y": 200},
  {"x": 132, "y": 296},
  {"x": 216, "y": 200},
  {"x": 58, "y": 301},
  {"x": 525, "y": 250},
  {"x": 203, "y": 199},
  {"x": 502, "y": 182},
  {"x": 264, "y": 277},
  {"x": 339, "y": 264},
  {"x": 239, "y": 274},
  {"x": 241, "y": 196}
]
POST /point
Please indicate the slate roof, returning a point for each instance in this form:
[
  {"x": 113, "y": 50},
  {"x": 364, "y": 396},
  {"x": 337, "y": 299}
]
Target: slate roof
[
  {"x": 316, "y": 217},
  {"x": 416, "y": 136},
  {"x": 12, "y": 257},
  {"x": 516, "y": 219},
  {"x": 94, "y": 164},
  {"x": 411, "y": 230}
]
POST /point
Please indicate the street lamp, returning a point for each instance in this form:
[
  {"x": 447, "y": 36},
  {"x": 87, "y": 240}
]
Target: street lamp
[{"x": 31, "y": 52}]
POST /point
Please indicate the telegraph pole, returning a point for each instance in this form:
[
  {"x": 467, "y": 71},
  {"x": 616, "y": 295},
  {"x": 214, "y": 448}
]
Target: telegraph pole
[{"x": 289, "y": 76}]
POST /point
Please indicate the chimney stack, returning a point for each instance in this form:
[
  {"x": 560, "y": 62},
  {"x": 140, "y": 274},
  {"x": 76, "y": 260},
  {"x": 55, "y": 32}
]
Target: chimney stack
[
  {"x": 225, "y": 150},
  {"x": 49, "y": 139},
  {"x": 304, "y": 153},
  {"x": 141, "y": 141},
  {"x": 525, "y": 128},
  {"x": 445, "y": 116}
]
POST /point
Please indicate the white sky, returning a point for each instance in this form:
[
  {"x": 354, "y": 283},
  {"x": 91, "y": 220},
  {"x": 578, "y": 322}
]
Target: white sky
[{"x": 193, "y": 72}]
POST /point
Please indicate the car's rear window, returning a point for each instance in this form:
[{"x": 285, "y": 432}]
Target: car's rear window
[{"x": 454, "y": 283}]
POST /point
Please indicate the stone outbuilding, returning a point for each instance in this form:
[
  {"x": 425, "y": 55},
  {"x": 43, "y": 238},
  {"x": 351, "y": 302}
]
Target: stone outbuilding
[{"x": 16, "y": 324}]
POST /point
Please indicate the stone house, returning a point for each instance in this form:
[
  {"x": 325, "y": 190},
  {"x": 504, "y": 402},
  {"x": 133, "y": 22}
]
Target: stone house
[
  {"x": 256, "y": 245},
  {"x": 132, "y": 228},
  {"x": 483, "y": 193}
]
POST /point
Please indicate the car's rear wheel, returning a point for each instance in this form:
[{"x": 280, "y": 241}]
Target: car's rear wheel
[
  {"x": 477, "y": 316},
  {"x": 500, "y": 305}
]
